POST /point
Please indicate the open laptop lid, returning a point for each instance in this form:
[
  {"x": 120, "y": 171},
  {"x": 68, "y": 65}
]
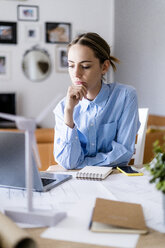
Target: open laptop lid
[{"x": 12, "y": 164}]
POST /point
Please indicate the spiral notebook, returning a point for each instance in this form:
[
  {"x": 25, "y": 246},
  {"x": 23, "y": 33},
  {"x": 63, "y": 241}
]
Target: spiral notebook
[{"x": 94, "y": 172}]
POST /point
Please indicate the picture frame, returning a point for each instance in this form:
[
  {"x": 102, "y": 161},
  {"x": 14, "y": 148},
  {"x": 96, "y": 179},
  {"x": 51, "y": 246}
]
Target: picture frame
[
  {"x": 58, "y": 32},
  {"x": 61, "y": 59},
  {"x": 4, "y": 65},
  {"x": 28, "y": 13},
  {"x": 32, "y": 33},
  {"x": 8, "y": 32}
]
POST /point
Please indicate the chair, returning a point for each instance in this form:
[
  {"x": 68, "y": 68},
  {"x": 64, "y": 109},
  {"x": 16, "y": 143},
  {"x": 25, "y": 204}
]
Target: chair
[{"x": 141, "y": 135}]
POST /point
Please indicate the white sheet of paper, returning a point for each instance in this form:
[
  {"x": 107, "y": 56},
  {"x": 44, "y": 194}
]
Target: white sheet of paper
[
  {"x": 75, "y": 228},
  {"x": 61, "y": 198}
]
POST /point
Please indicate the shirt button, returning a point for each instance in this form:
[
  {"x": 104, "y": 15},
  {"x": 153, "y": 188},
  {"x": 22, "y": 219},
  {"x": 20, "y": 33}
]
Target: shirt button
[
  {"x": 93, "y": 144},
  {"x": 76, "y": 137},
  {"x": 91, "y": 124}
]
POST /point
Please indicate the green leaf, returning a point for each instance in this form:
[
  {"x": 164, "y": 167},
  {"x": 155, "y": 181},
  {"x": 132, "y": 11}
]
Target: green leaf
[{"x": 157, "y": 166}]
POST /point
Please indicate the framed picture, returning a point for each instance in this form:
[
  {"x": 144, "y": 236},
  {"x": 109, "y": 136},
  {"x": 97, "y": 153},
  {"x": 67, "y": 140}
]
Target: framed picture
[
  {"x": 61, "y": 59},
  {"x": 58, "y": 32},
  {"x": 28, "y": 13},
  {"x": 32, "y": 33},
  {"x": 8, "y": 32},
  {"x": 4, "y": 65}
]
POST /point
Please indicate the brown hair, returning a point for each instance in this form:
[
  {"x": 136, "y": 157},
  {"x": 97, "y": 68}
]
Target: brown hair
[{"x": 99, "y": 46}]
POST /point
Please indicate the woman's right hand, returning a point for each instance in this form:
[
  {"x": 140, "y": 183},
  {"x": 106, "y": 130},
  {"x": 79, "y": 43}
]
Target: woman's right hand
[{"x": 75, "y": 94}]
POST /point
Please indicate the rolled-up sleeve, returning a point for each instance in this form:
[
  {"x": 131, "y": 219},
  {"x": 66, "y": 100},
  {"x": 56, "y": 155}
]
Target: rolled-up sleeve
[{"x": 67, "y": 147}]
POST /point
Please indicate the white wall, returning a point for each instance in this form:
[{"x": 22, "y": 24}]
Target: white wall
[
  {"x": 138, "y": 36},
  {"x": 84, "y": 15},
  {"x": 140, "y": 45}
]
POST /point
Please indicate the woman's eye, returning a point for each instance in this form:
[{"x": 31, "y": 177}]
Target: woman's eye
[
  {"x": 86, "y": 67},
  {"x": 71, "y": 66}
]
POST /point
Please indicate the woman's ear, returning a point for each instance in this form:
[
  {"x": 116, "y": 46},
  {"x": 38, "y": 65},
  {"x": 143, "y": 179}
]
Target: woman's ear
[{"x": 105, "y": 66}]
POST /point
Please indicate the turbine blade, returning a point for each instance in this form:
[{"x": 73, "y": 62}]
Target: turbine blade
[
  {"x": 49, "y": 108},
  {"x": 10, "y": 117}
]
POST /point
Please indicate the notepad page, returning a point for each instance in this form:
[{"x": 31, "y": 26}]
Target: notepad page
[{"x": 94, "y": 172}]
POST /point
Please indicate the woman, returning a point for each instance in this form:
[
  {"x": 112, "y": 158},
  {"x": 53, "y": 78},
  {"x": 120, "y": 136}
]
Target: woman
[{"x": 96, "y": 123}]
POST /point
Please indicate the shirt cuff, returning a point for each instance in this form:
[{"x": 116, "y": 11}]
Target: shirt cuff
[{"x": 68, "y": 134}]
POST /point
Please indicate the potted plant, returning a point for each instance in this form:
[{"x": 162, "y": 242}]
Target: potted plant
[{"x": 157, "y": 169}]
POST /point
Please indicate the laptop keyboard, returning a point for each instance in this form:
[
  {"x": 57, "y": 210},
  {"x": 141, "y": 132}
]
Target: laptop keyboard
[{"x": 46, "y": 181}]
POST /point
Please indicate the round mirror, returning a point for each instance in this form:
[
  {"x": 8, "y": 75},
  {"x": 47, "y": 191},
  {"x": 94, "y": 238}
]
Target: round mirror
[{"x": 36, "y": 64}]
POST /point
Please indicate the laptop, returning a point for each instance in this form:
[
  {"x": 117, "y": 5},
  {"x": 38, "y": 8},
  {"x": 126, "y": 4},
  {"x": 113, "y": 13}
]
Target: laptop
[{"x": 12, "y": 165}]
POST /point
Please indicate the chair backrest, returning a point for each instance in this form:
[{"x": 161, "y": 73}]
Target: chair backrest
[{"x": 141, "y": 136}]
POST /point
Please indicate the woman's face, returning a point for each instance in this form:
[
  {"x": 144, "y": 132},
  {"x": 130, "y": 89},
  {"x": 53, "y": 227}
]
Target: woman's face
[{"x": 85, "y": 68}]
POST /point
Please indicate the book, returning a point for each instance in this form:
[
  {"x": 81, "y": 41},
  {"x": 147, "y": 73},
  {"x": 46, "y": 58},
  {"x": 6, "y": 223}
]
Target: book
[
  {"x": 94, "y": 172},
  {"x": 117, "y": 217}
]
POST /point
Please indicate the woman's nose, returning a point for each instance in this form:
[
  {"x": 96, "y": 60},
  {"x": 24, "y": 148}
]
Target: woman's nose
[{"x": 77, "y": 72}]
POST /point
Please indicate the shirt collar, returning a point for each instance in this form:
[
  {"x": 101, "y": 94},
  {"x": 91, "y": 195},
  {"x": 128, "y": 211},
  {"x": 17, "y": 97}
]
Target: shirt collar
[{"x": 100, "y": 99}]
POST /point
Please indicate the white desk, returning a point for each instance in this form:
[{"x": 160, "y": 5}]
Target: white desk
[{"x": 66, "y": 196}]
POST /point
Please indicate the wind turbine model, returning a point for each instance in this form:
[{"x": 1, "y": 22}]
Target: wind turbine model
[{"x": 29, "y": 214}]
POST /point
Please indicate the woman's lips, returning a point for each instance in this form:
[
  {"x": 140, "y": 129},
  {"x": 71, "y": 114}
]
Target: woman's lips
[{"x": 80, "y": 83}]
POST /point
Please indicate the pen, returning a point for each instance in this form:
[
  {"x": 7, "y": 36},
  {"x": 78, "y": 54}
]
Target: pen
[{"x": 90, "y": 223}]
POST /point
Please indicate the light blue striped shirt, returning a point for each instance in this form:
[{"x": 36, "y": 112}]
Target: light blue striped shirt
[{"x": 104, "y": 132}]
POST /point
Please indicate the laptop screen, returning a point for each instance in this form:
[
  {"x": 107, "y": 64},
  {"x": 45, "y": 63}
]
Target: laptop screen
[
  {"x": 12, "y": 161},
  {"x": 12, "y": 165}
]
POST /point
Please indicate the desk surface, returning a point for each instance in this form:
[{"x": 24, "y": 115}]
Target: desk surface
[
  {"x": 151, "y": 240},
  {"x": 66, "y": 197}
]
